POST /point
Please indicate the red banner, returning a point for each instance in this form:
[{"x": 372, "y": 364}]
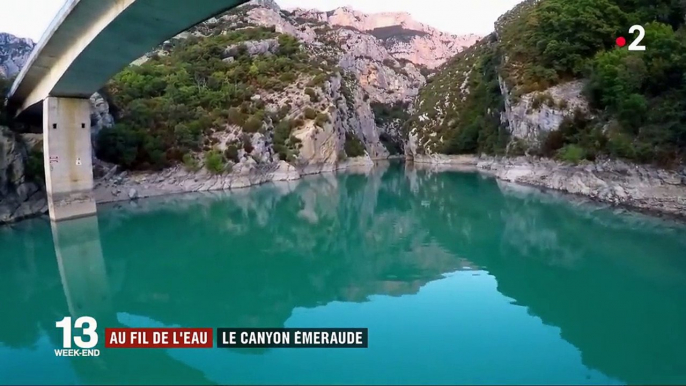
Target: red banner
[{"x": 158, "y": 338}]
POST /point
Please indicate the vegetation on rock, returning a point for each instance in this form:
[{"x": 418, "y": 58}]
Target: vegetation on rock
[
  {"x": 172, "y": 104},
  {"x": 469, "y": 122},
  {"x": 353, "y": 146},
  {"x": 636, "y": 98}
]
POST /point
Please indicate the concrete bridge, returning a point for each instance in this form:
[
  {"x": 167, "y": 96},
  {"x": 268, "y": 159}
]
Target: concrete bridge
[{"x": 87, "y": 43}]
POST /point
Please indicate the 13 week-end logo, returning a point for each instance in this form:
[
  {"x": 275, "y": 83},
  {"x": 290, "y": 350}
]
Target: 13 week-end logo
[{"x": 83, "y": 333}]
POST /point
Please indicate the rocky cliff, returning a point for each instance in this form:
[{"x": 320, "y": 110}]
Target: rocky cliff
[
  {"x": 615, "y": 182},
  {"x": 14, "y": 51},
  {"x": 336, "y": 99},
  {"x": 527, "y": 89},
  {"x": 403, "y": 37},
  {"x": 21, "y": 177},
  {"x": 21, "y": 155},
  {"x": 573, "y": 109},
  {"x": 349, "y": 100},
  {"x": 22, "y": 191}
]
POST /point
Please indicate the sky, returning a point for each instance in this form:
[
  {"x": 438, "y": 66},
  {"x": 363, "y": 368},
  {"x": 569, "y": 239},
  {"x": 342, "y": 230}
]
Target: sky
[{"x": 29, "y": 18}]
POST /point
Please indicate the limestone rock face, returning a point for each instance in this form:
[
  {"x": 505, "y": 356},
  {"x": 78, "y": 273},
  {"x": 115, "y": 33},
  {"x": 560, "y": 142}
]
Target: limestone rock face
[
  {"x": 20, "y": 196},
  {"x": 14, "y": 51},
  {"x": 384, "y": 52},
  {"x": 254, "y": 47},
  {"x": 449, "y": 97},
  {"x": 404, "y": 37},
  {"x": 538, "y": 113},
  {"x": 387, "y": 76},
  {"x": 267, "y": 4},
  {"x": 384, "y": 76},
  {"x": 612, "y": 182},
  {"x": 100, "y": 115}
]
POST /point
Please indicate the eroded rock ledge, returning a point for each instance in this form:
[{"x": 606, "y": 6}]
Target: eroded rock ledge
[
  {"x": 113, "y": 186},
  {"x": 129, "y": 186},
  {"x": 645, "y": 188}
]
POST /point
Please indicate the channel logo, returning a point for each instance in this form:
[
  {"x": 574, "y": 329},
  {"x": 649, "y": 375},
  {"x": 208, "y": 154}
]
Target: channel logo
[{"x": 83, "y": 327}]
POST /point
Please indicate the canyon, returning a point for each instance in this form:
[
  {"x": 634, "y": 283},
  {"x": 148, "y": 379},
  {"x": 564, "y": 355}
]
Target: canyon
[{"x": 374, "y": 87}]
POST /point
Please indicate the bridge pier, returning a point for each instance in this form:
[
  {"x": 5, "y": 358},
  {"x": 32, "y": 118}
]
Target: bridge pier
[{"x": 67, "y": 158}]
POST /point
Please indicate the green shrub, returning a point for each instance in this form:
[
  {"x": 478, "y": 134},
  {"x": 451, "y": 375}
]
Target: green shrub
[
  {"x": 353, "y": 146},
  {"x": 542, "y": 99},
  {"x": 285, "y": 145},
  {"x": 247, "y": 144},
  {"x": 552, "y": 142},
  {"x": 312, "y": 94},
  {"x": 231, "y": 153},
  {"x": 284, "y": 110},
  {"x": 317, "y": 81},
  {"x": 310, "y": 113},
  {"x": 516, "y": 148},
  {"x": 571, "y": 153},
  {"x": 322, "y": 119},
  {"x": 120, "y": 145},
  {"x": 620, "y": 145},
  {"x": 252, "y": 125},
  {"x": 190, "y": 163},
  {"x": 288, "y": 77},
  {"x": 35, "y": 170},
  {"x": 214, "y": 162},
  {"x": 236, "y": 117},
  {"x": 166, "y": 106}
]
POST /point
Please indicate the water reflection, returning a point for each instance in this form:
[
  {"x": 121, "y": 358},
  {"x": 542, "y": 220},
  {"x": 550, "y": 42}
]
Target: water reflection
[
  {"x": 263, "y": 257},
  {"x": 81, "y": 266},
  {"x": 85, "y": 284},
  {"x": 272, "y": 249},
  {"x": 614, "y": 285}
]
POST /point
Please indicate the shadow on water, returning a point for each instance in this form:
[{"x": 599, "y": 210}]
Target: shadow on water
[{"x": 613, "y": 285}]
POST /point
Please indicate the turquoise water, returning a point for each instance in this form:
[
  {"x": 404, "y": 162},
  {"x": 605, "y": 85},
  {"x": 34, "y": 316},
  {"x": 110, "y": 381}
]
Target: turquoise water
[{"x": 459, "y": 279}]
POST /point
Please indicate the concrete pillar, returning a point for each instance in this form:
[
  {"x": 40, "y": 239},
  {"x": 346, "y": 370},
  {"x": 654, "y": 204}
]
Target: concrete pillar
[
  {"x": 67, "y": 157},
  {"x": 82, "y": 266}
]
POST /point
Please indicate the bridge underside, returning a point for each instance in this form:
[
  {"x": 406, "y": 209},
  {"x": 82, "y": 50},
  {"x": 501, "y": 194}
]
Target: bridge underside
[
  {"x": 91, "y": 40},
  {"x": 87, "y": 43}
]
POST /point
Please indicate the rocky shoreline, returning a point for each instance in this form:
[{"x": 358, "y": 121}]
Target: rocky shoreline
[
  {"x": 127, "y": 186},
  {"x": 646, "y": 189},
  {"x": 114, "y": 186}
]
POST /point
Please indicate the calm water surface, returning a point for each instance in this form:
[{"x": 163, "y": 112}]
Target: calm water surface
[{"x": 459, "y": 278}]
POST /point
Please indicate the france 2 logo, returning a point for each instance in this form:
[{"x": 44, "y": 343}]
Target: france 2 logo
[{"x": 88, "y": 327}]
